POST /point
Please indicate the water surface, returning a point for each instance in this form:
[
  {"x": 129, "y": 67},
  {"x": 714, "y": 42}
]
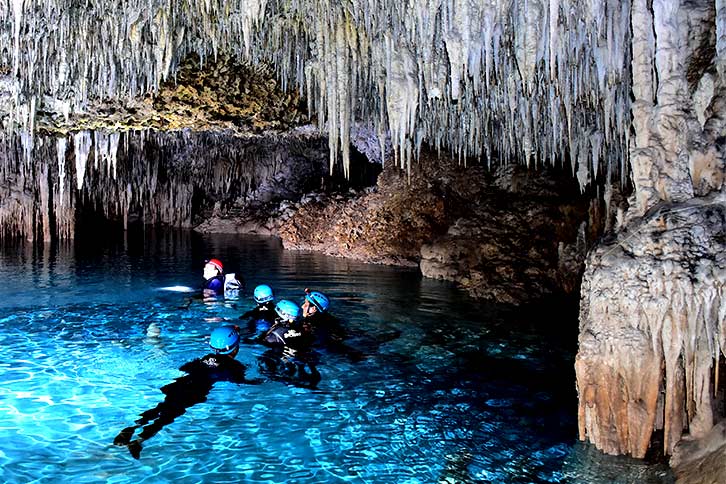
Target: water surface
[{"x": 450, "y": 390}]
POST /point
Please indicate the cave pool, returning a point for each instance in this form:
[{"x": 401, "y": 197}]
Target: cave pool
[{"x": 450, "y": 391}]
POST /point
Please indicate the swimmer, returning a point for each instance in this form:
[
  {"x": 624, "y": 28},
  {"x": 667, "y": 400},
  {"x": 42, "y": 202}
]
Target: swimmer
[
  {"x": 261, "y": 317},
  {"x": 190, "y": 389},
  {"x": 287, "y": 329},
  {"x": 213, "y": 274},
  {"x": 329, "y": 332},
  {"x": 290, "y": 357}
]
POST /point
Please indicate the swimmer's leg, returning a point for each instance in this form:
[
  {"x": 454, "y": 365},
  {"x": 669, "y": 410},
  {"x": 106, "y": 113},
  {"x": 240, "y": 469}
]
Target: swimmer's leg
[
  {"x": 149, "y": 415},
  {"x": 163, "y": 418},
  {"x": 158, "y": 424},
  {"x": 312, "y": 377},
  {"x": 124, "y": 437},
  {"x": 135, "y": 448}
]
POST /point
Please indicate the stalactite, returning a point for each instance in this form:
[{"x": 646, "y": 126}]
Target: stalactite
[
  {"x": 465, "y": 62},
  {"x": 82, "y": 147},
  {"x": 150, "y": 173}
]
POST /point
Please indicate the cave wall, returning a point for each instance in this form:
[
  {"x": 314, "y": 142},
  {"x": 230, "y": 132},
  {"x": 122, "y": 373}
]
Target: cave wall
[{"x": 155, "y": 177}]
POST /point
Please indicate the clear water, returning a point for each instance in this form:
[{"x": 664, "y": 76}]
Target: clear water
[{"x": 451, "y": 391}]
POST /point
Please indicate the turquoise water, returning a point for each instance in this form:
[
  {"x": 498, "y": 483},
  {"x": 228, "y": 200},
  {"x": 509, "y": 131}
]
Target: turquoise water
[{"x": 450, "y": 390}]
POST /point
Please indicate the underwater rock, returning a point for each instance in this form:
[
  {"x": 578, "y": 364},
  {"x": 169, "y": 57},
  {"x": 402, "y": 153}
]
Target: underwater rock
[{"x": 653, "y": 327}]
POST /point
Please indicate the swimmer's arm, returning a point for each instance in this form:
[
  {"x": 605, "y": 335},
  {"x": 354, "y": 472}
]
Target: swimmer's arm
[
  {"x": 254, "y": 381},
  {"x": 248, "y": 314}
]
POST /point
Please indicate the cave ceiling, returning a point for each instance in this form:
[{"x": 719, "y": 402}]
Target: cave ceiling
[{"x": 519, "y": 81}]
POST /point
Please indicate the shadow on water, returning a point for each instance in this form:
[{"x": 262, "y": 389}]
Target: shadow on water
[{"x": 447, "y": 389}]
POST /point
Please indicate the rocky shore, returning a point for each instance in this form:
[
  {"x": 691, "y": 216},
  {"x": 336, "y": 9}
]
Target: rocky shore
[{"x": 510, "y": 235}]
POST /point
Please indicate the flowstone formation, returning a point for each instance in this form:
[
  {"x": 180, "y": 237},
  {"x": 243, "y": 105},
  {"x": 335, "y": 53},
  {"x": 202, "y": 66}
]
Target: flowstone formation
[
  {"x": 653, "y": 328},
  {"x": 653, "y": 317}
]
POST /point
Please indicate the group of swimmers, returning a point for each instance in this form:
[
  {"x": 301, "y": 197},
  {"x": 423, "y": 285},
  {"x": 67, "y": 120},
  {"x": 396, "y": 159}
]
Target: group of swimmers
[{"x": 290, "y": 333}]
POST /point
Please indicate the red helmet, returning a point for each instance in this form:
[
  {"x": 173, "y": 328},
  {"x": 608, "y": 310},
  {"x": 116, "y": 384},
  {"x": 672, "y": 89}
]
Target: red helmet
[{"x": 216, "y": 263}]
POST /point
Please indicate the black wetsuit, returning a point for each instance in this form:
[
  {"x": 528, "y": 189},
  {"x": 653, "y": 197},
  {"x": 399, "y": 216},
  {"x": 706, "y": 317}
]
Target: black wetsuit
[
  {"x": 290, "y": 356},
  {"x": 330, "y": 335},
  {"x": 260, "y": 319},
  {"x": 182, "y": 393}
]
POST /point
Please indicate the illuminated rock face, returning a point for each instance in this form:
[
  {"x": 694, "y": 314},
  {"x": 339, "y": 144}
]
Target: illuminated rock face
[{"x": 653, "y": 327}]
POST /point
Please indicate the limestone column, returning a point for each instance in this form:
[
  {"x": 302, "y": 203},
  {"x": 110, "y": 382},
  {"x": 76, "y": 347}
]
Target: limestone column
[{"x": 652, "y": 315}]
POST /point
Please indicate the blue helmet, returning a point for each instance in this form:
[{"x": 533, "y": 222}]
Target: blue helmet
[
  {"x": 319, "y": 300},
  {"x": 224, "y": 340},
  {"x": 263, "y": 294},
  {"x": 287, "y": 310}
]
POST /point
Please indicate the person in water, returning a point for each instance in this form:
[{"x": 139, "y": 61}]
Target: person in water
[
  {"x": 328, "y": 331},
  {"x": 213, "y": 274},
  {"x": 217, "y": 283},
  {"x": 191, "y": 388},
  {"x": 261, "y": 317},
  {"x": 290, "y": 356}
]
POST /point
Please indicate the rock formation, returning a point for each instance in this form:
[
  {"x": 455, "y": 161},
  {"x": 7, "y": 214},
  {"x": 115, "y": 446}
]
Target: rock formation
[
  {"x": 154, "y": 177},
  {"x": 510, "y": 236},
  {"x": 85, "y": 89},
  {"x": 513, "y": 82},
  {"x": 701, "y": 461},
  {"x": 208, "y": 139},
  {"x": 652, "y": 317},
  {"x": 652, "y": 328}
]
